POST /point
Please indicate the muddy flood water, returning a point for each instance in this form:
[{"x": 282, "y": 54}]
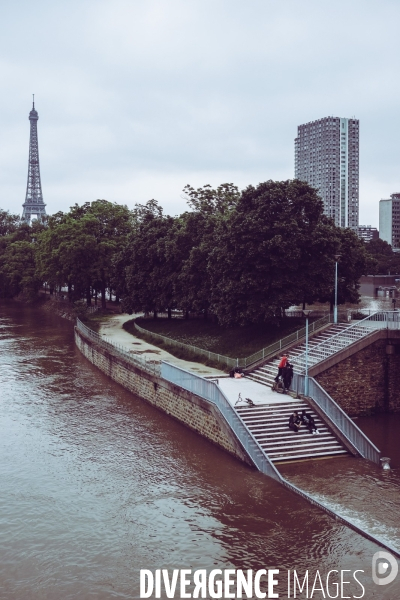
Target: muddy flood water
[{"x": 96, "y": 485}]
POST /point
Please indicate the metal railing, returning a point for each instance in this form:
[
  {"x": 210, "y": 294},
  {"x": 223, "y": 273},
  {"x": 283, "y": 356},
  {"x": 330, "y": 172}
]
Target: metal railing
[
  {"x": 352, "y": 333},
  {"x": 225, "y": 361},
  {"x": 286, "y": 341},
  {"x": 337, "y": 416},
  {"x": 210, "y": 391},
  {"x": 298, "y": 313},
  {"x": 92, "y": 309},
  {"x": 150, "y": 366}
]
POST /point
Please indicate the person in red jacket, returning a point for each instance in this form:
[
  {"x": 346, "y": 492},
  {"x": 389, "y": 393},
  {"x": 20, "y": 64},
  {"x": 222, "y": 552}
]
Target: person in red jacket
[{"x": 281, "y": 366}]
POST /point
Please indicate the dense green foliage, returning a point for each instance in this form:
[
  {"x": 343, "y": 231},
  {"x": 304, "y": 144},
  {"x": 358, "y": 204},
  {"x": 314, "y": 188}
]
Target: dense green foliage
[
  {"x": 17, "y": 257},
  {"x": 78, "y": 249},
  {"x": 243, "y": 257},
  {"x": 384, "y": 260}
]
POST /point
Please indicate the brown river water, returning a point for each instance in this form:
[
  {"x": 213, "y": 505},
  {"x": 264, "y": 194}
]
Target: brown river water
[{"x": 95, "y": 484}]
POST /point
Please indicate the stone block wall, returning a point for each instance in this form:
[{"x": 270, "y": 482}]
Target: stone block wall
[
  {"x": 195, "y": 412},
  {"x": 367, "y": 382}
]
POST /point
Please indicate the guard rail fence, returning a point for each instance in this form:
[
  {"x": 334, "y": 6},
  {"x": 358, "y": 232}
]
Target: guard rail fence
[
  {"x": 150, "y": 366},
  {"x": 352, "y": 333},
  {"x": 243, "y": 363},
  {"x": 334, "y": 414},
  {"x": 210, "y": 391}
]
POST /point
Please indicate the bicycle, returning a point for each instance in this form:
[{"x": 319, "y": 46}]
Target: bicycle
[
  {"x": 279, "y": 386},
  {"x": 249, "y": 401}
]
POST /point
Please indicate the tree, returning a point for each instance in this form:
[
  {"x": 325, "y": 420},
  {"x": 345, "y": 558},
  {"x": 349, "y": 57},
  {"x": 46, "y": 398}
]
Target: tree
[
  {"x": 258, "y": 267},
  {"x": 353, "y": 263},
  {"x": 209, "y": 201},
  {"x": 8, "y": 222},
  {"x": 17, "y": 257},
  {"x": 78, "y": 249},
  {"x": 20, "y": 270},
  {"x": 148, "y": 268},
  {"x": 277, "y": 249},
  {"x": 383, "y": 260},
  {"x": 195, "y": 240}
]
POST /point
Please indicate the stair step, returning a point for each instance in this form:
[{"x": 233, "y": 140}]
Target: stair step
[
  {"x": 272, "y": 418},
  {"x": 268, "y": 424},
  {"x": 310, "y": 456},
  {"x": 279, "y": 439},
  {"x": 271, "y": 450},
  {"x": 257, "y": 411},
  {"x": 281, "y": 428},
  {"x": 268, "y": 409}
]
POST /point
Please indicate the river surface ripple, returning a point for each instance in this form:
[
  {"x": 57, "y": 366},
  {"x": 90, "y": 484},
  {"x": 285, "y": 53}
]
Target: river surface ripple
[{"x": 95, "y": 484}]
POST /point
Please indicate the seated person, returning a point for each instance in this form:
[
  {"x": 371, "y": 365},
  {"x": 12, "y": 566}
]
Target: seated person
[
  {"x": 309, "y": 422},
  {"x": 237, "y": 373},
  {"x": 294, "y": 422}
]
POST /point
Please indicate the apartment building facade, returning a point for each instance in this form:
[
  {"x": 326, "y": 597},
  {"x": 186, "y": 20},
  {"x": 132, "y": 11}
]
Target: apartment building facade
[
  {"x": 327, "y": 157},
  {"x": 389, "y": 221},
  {"x": 367, "y": 233}
]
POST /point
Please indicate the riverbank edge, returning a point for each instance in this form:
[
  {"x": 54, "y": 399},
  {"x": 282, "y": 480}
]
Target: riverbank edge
[{"x": 193, "y": 411}]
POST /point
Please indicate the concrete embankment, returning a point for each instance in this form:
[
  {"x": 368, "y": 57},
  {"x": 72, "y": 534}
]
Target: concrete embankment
[
  {"x": 188, "y": 408},
  {"x": 195, "y": 412}
]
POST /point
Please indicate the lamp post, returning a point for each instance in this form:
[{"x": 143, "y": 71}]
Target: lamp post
[
  {"x": 337, "y": 256},
  {"x": 306, "y": 313}
]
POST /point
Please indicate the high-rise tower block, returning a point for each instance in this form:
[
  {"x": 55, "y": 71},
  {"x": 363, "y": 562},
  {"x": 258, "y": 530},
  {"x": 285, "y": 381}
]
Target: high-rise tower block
[
  {"x": 33, "y": 205},
  {"x": 327, "y": 157}
]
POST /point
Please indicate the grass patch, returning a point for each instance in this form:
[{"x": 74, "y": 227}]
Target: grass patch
[
  {"x": 182, "y": 353},
  {"x": 235, "y": 342},
  {"x": 95, "y": 320}
]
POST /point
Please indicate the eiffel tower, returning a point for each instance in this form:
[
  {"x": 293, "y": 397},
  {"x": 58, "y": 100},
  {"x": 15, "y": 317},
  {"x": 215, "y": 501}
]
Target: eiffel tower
[{"x": 33, "y": 204}]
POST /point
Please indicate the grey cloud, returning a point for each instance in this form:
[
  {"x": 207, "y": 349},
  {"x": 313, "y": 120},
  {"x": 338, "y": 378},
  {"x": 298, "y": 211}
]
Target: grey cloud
[{"x": 135, "y": 93}]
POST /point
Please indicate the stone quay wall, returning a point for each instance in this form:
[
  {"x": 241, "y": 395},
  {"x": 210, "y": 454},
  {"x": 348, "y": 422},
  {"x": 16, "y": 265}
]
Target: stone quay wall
[
  {"x": 195, "y": 412},
  {"x": 367, "y": 380}
]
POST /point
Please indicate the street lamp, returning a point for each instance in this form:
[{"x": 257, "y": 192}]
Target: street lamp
[
  {"x": 337, "y": 256},
  {"x": 306, "y": 313}
]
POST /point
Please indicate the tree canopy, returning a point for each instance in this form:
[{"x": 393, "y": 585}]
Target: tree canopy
[
  {"x": 244, "y": 257},
  {"x": 383, "y": 260}
]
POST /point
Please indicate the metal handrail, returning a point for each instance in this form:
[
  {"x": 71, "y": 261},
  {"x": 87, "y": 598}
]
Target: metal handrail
[
  {"x": 210, "y": 391},
  {"x": 344, "y": 338},
  {"x": 240, "y": 362},
  {"x": 336, "y": 415},
  {"x": 225, "y": 360},
  {"x": 117, "y": 349},
  {"x": 240, "y": 430}
]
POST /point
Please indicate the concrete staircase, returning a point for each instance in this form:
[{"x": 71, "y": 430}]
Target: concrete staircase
[
  {"x": 268, "y": 424},
  {"x": 266, "y": 373}
]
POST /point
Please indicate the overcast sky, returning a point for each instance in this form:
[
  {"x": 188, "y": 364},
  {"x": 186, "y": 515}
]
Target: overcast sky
[{"x": 137, "y": 98}]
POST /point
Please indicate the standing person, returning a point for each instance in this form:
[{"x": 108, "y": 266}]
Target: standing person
[
  {"x": 282, "y": 364},
  {"x": 287, "y": 376}
]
